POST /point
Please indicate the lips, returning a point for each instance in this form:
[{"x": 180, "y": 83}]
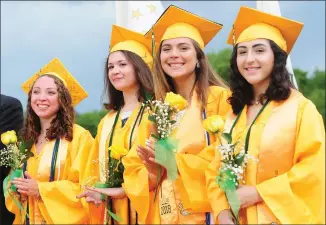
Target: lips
[
  {"x": 117, "y": 78},
  {"x": 175, "y": 65},
  {"x": 42, "y": 106},
  {"x": 252, "y": 69}
]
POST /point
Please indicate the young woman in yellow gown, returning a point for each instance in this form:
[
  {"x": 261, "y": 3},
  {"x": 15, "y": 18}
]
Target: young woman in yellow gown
[
  {"x": 128, "y": 79},
  {"x": 51, "y": 179},
  {"x": 276, "y": 124},
  {"x": 180, "y": 67}
]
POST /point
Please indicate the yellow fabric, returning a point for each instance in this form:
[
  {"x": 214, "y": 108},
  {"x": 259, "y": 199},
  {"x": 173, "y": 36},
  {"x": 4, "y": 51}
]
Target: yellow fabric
[
  {"x": 288, "y": 138},
  {"x": 251, "y": 24},
  {"x": 56, "y": 68},
  {"x": 124, "y": 39},
  {"x": 183, "y": 30},
  {"x": 100, "y": 150},
  {"x": 189, "y": 188},
  {"x": 176, "y": 22},
  {"x": 262, "y": 30},
  {"x": 58, "y": 204},
  {"x": 58, "y": 76}
]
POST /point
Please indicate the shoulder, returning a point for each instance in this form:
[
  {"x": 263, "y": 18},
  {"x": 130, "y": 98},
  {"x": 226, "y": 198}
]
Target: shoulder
[
  {"x": 217, "y": 92},
  {"x": 79, "y": 131},
  {"x": 9, "y": 102}
]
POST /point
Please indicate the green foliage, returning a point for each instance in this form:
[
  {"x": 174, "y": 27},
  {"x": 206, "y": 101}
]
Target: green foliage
[
  {"x": 313, "y": 88},
  {"x": 220, "y": 62},
  {"x": 90, "y": 120}
]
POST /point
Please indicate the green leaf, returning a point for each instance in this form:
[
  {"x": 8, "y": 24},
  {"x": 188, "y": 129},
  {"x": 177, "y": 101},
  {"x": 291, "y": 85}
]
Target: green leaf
[
  {"x": 173, "y": 121},
  {"x": 155, "y": 136},
  {"x": 151, "y": 118},
  {"x": 114, "y": 216},
  {"x": 227, "y": 137},
  {"x": 239, "y": 159},
  {"x": 148, "y": 96}
]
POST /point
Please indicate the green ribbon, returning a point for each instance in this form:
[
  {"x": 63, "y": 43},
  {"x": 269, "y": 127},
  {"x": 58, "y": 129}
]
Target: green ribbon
[
  {"x": 165, "y": 155},
  {"x": 17, "y": 173},
  {"x": 227, "y": 182}
]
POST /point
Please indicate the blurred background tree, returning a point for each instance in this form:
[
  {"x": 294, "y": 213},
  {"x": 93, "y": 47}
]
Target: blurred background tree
[
  {"x": 312, "y": 86},
  {"x": 90, "y": 120}
]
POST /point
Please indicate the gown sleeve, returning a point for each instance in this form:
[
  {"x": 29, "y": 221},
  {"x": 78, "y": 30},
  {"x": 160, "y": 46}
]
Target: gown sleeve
[
  {"x": 298, "y": 196},
  {"x": 136, "y": 184},
  {"x": 58, "y": 202}
]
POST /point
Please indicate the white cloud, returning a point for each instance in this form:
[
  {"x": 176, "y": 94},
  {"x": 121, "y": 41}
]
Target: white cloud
[
  {"x": 78, "y": 33},
  {"x": 32, "y": 33}
]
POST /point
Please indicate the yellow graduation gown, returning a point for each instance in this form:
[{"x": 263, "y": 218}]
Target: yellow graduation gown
[
  {"x": 121, "y": 137},
  {"x": 58, "y": 203},
  {"x": 288, "y": 139},
  {"x": 185, "y": 200}
]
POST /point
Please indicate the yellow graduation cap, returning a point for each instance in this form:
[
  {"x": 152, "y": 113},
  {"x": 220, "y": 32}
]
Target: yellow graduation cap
[
  {"x": 176, "y": 22},
  {"x": 124, "y": 39},
  {"x": 252, "y": 24},
  {"x": 56, "y": 68}
]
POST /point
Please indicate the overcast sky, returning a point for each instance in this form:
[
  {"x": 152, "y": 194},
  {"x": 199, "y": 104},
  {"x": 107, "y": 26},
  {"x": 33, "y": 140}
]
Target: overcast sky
[{"x": 78, "y": 33}]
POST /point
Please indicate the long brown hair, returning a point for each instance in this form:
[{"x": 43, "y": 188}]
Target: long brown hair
[
  {"x": 205, "y": 76},
  {"x": 61, "y": 125},
  {"x": 143, "y": 76}
]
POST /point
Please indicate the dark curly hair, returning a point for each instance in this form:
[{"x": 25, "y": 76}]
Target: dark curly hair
[
  {"x": 61, "y": 125},
  {"x": 143, "y": 76},
  {"x": 278, "y": 89}
]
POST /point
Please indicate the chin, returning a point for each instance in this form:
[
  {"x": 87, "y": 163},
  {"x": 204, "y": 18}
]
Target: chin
[
  {"x": 176, "y": 74},
  {"x": 45, "y": 115}
]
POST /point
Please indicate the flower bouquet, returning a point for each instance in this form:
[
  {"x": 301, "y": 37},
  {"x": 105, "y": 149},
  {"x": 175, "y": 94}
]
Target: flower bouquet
[
  {"x": 233, "y": 161},
  {"x": 165, "y": 116},
  {"x": 114, "y": 176},
  {"x": 14, "y": 155}
]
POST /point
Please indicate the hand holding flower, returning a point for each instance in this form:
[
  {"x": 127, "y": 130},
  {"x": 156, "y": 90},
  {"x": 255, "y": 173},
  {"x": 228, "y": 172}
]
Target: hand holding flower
[
  {"x": 28, "y": 186},
  {"x": 91, "y": 197},
  {"x": 114, "y": 193},
  {"x": 248, "y": 196}
]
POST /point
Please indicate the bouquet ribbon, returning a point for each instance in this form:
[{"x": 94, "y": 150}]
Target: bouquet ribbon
[
  {"x": 165, "y": 155},
  {"x": 13, "y": 174},
  {"x": 226, "y": 181}
]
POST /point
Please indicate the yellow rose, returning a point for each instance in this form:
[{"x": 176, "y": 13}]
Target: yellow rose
[
  {"x": 213, "y": 124},
  {"x": 176, "y": 100},
  {"x": 9, "y": 137},
  {"x": 117, "y": 152}
]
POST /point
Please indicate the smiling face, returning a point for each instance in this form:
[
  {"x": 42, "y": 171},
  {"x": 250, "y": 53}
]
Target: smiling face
[
  {"x": 255, "y": 61},
  {"x": 44, "y": 98},
  {"x": 121, "y": 72},
  {"x": 178, "y": 58}
]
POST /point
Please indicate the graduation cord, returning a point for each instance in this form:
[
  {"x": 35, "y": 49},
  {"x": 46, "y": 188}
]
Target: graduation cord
[
  {"x": 252, "y": 123},
  {"x": 139, "y": 115},
  {"x": 208, "y": 142},
  {"x": 52, "y": 172}
]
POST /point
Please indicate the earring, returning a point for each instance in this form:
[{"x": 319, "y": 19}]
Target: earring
[{"x": 197, "y": 65}]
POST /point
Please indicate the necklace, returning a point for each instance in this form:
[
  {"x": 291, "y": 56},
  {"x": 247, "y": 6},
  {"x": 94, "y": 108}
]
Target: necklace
[{"x": 255, "y": 102}]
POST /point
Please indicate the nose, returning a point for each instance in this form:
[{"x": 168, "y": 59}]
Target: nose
[
  {"x": 250, "y": 57},
  {"x": 114, "y": 70},
  {"x": 42, "y": 96},
  {"x": 175, "y": 53}
]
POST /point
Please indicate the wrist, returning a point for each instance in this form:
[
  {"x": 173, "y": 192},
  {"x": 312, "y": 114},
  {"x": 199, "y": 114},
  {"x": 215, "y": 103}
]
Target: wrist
[
  {"x": 226, "y": 214},
  {"x": 155, "y": 179}
]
